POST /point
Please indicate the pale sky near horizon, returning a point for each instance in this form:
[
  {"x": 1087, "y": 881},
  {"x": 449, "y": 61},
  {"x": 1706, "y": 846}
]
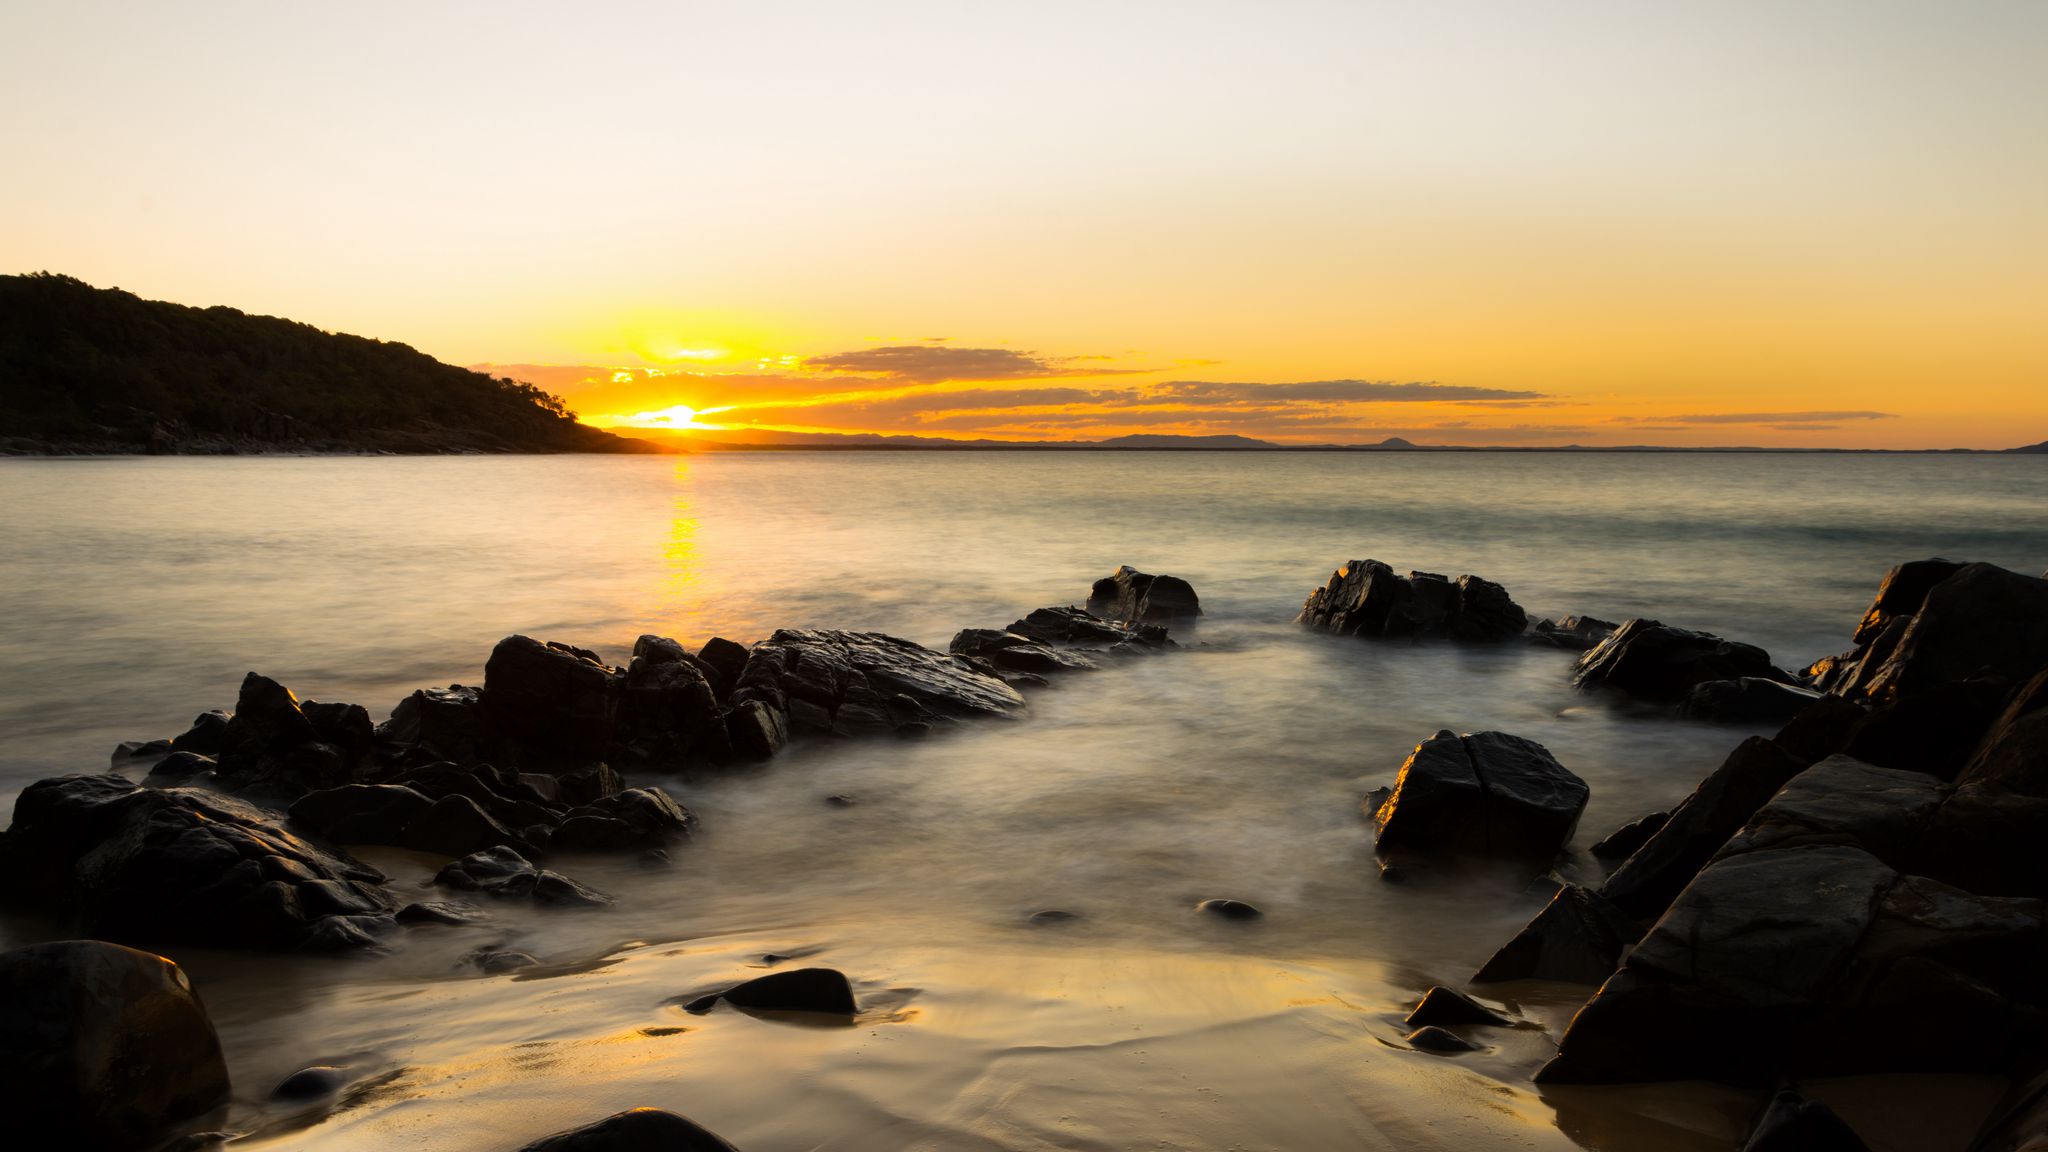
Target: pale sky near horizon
[{"x": 1592, "y": 222}]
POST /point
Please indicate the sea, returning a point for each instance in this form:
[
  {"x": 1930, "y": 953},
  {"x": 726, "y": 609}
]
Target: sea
[{"x": 136, "y": 592}]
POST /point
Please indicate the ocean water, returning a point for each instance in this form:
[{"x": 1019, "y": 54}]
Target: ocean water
[{"x": 136, "y": 592}]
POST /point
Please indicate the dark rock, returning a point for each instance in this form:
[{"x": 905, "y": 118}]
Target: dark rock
[
  {"x": 1487, "y": 793},
  {"x": 504, "y": 873},
  {"x": 841, "y": 800},
  {"x": 1366, "y": 598},
  {"x": 1009, "y": 652},
  {"x": 1934, "y": 730},
  {"x": 1622, "y": 843},
  {"x": 1572, "y": 633},
  {"x": 1795, "y": 1124},
  {"x": 558, "y": 701},
  {"x": 823, "y": 990},
  {"x": 314, "y": 1083},
  {"x": 589, "y": 785},
  {"x": 1658, "y": 662},
  {"x": 640, "y": 1130},
  {"x": 346, "y": 727},
  {"x": 181, "y": 768},
  {"x": 727, "y": 659},
  {"x": 492, "y": 963},
  {"x": 272, "y": 749},
  {"x": 1071, "y": 625},
  {"x": 1441, "y": 1040},
  {"x": 207, "y": 736},
  {"x": 455, "y": 826},
  {"x": 668, "y": 714},
  {"x": 1748, "y": 700},
  {"x": 1845, "y": 801},
  {"x": 183, "y": 865},
  {"x": 439, "y": 912},
  {"x": 1133, "y": 597},
  {"x": 441, "y": 724},
  {"x": 1902, "y": 592},
  {"x": 505, "y": 796},
  {"x": 360, "y": 813},
  {"x": 1442, "y": 1006},
  {"x": 1577, "y": 938},
  {"x": 2013, "y": 756},
  {"x": 634, "y": 819},
  {"x": 102, "y": 1045},
  {"x": 1229, "y": 909},
  {"x": 843, "y": 680},
  {"x": 128, "y": 750},
  {"x": 1981, "y": 622},
  {"x": 1821, "y": 729},
  {"x": 1652, "y": 877},
  {"x": 1050, "y": 916}
]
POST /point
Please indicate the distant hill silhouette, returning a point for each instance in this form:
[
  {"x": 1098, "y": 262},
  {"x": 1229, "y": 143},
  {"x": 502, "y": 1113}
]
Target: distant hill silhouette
[
  {"x": 102, "y": 370},
  {"x": 2040, "y": 449}
]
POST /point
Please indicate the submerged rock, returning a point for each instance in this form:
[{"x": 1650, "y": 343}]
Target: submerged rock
[
  {"x": 1572, "y": 633},
  {"x": 1485, "y": 793},
  {"x": 1134, "y": 597},
  {"x": 638, "y": 1130},
  {"x": 1366, "y": 598},
  {"x": 1746, "y": 700},
  {"x": 1577, "y": 938},
  {"x": 1009, "y": 652},
  {"x": 103, "y": 1045},
  {"x": 183, "y": 865},
  {"x": 1439, "y": 1040},
  {"x": 1071, "y": 625},
  {"x": 1229, "y": 909},
  {"x": 822, "y": 990},
  {"x": 1658, "y": 662},
  {"x": 311, "y": 1083},
  {"x": 504, "y": 873}
]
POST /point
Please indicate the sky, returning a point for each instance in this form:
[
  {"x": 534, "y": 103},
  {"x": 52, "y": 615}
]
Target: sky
[{"x": 1641, "y": 222}]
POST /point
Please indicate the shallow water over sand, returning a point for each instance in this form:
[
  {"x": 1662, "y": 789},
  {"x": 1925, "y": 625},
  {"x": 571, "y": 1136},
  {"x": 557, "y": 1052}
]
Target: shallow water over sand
[{"x": 142, "y": 589}]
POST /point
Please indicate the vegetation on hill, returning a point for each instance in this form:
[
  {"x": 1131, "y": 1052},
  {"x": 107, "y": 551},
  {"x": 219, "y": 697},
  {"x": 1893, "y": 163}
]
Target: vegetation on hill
[{"x": 102, "y": 370}]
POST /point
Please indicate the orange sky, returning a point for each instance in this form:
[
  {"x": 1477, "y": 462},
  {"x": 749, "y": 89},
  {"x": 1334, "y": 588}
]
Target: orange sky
[{"x": 1481, "y": 221}]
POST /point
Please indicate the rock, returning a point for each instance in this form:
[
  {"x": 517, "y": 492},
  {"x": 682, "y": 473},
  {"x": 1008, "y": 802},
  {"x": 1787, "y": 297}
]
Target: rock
[
  {"x": 840, "y": 682},
  {"x": 1622, "y": 843},
  {"x": 272, "y": 749},
  {"x": 1902, "y": 592},
  {"x": 727, "y": 659},
  {"x": 635, "y": 819},
  {"x": 1654, "y": 874},
  {"x": 589, "y": 785},
  {"x": 2013, "y": 756},
  {"x": 128, "y": 750},
  {"x": 1052, "y": 916},
  {"x": 102, "y": 1045},
  {"x": 1229, "y": 909},
  {"x": 506, "y": 796},
  {"x": 361, "y": 813},
  {"x": 1572, "y": 633},
  {"x": 504, "y": 873},
  {"x": 440, "y": 912},
  {"x": 441, "y": 724},
  {"x": 1486, "y": 793},
  {"x": 1747, "y": 700},
  {"x": 1793, "y": 1123},
  {"x": 557, "y": 701},
  {"x": 1071, "y": 625},
  {"x": 1133, "y": 597},
  {"x": 668, "y": 716},
  {"x": 181, "y": 768},
  {"x": 638, "y": 1130},
  {"x": 1845, "y": 801},
  {"x": 493, "y": 963},
  {"x": 1821, "y": 729},
  {"x": 1441, "y": 1006},
  {"x": 1577, "y": 938},
  {"x": 206, "y": 737},
  {"x": 1009, "y": 652},
  {"x": 1979, "y": 622},
  {"x": 841, "y": 800},
  {"x": 1658, "y": 662},
  {"x": 455, "y": 826},
  {"x": 312, "y": 1083},
  {"x": 1439, "y": 1040},
  {"x": 822, "y": 990},
  {"x": 1366, "y": 598},
  {"x": 183, "y": 865}
]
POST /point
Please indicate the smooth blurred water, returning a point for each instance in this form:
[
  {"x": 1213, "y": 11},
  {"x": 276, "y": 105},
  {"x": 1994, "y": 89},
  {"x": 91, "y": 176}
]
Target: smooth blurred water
[{"x": 134, "y": 593}]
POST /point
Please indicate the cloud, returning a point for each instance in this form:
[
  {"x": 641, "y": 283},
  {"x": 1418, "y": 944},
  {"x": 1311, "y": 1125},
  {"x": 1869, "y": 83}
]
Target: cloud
[
  {"x": 1337, "y": 391},
  {"x": 930, "y": 364},
  {"x": 1779, "y": 419}
]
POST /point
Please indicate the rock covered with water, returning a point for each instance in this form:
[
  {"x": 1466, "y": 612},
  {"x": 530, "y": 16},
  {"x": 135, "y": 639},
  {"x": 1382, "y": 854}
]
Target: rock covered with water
[
  {"x": 635, "y": 1130},
  {"x": 1655, "y": 661},
  {"x": 866, "y": 683},
  {"x": 1367, "y": 598},
  {"x": 1133, "y": 597},
  {"x": 106, "y": 1045},
  {"x": 1483, "y": 793},
  {"x": 183, "y": 865}
]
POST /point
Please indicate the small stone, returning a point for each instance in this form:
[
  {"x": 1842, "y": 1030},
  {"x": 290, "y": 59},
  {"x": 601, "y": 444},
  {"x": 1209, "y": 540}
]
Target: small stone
[
  {"x": 1053, "y": 916},
  {"x": 311, "y": 1083},
  {"x": 1441, "y": 1005},
  {"x": 1229, "y": 909},
  {"x": 1434, "y": 1039}
]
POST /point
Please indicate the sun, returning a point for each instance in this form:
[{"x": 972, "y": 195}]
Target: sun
[{"x": 674, "y": 416}]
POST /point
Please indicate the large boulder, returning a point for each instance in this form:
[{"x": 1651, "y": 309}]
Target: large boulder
[
  {"x": 1657, "y": 872},
  {"x": 840, "y": 683},
  {"x": 183, "y": 865},
  {"x": 1658, "y": 662},
  {"x": 275, "y": 748},
  {"x": 820, "y": 990},
  {"x": 440, "y": 724},
  {"x": 1938, "y": 624},
  {"x": 557, "y": 701},
  {"x": 1133, "y": 597},
  {"x": 636, "y": 1130},
  {"x": 1577, "y": 938},
  {"x": 1484, "y": 793},
  {"x": 668, "y": 714},
  {"x": 103, "y": 1046},
  {"x": 1746, "y": 700},
  {"x": 1366, "y": 598}
]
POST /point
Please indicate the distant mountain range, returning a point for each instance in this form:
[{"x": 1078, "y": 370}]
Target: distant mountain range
[
  {"x": 1155, "y": 442},
  {"x": 86, "y": 369}
]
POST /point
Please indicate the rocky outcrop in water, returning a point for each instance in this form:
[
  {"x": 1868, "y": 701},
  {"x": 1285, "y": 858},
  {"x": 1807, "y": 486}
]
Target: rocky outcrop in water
[
  {"x": 1484, "y": 793},
  {"x": 1658, "y": 662},
  {"x": 1133, "y": 597},
  {"x": 1572, "y": 633},
  {"x": 1935, "y": 624},
  {"x": 1010, "y": 652},
  {"x": 504, "y": 873},
  {"x": 1746, "y": 700},
  {"x": 1366, "y": 598},
  {"x": 107, "y": 1046},
  {"x": 821, "y": 990},
  {"x": 1577, "y": 939},
  {"x": 183, "y": 865},
  {"x": 637, "y": 1130},
  {"x": 867, "y": 683},
  {"x": 1072, "y": 626}
]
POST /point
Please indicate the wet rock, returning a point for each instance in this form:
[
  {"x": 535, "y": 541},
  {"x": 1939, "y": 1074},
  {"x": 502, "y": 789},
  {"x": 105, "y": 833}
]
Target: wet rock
[
  {"x": 1486, "y": 793},
  {"x": 206, "y": 737},
  {"x": 1793, "y": 1123},
  {"x": 271, "y": 749},
  {"x": 312, "y": 1083},
  {"x": 1009, "y": 652},
  {"x": 1445, "y": 1006},
  {"x": 440, "y": 912},
  {"x": 1845, "y": 801},
  {"x": 360, "y": 813},
  {"x": 2014, "y": 754},
  {"x": 508, "y": 797},
  {"x": 183, "y": 865},
  {"x": 635, "y": 819},
  {"x": 756, "y": 731},
  {"x": 1901, "y": 593},
  {"x": 726, "y": 659},
  {"x": 1622, "y": 843},
  {"x": 1439, "y": 1040},
  {"x": 1133, "y": 597},
  {"x": 456, "y": 826},
  {"x": 1821, "y": 729},
  {"x": 1577, "y": 938},
  {"x": 841, "y": 681},
  {"x": 1652, "y": 877},
  {"x": 440, "y": 724},
  {"x": 841, "y": 800},
  {"x": 1366, "y": 598},
  {"x": 1072, "y": 625},
  {"x": 181, "y": 768},
  {"x": 589, "y": 785},
  {"x": 668, "y": 716},
  {"x": 1658, "y": 662},
  {"x": 1229, "y": 909},
  {"x": 639, "y": 1130},
  {"x": 128, "y": 750},
  {"x": 1979, "y": 621},
  {"x": 504, "y": 873},
  {"x": 1572, "y": 633},
  {"x": 1748, "y": 700},
  {"x": 104, "y": 1045},
  {"x": 822, "y": 990},
  {"x": 559, "y": 702},
  {"x": 496, "y": 963},
  {"x": 1052, "y": 916}
]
